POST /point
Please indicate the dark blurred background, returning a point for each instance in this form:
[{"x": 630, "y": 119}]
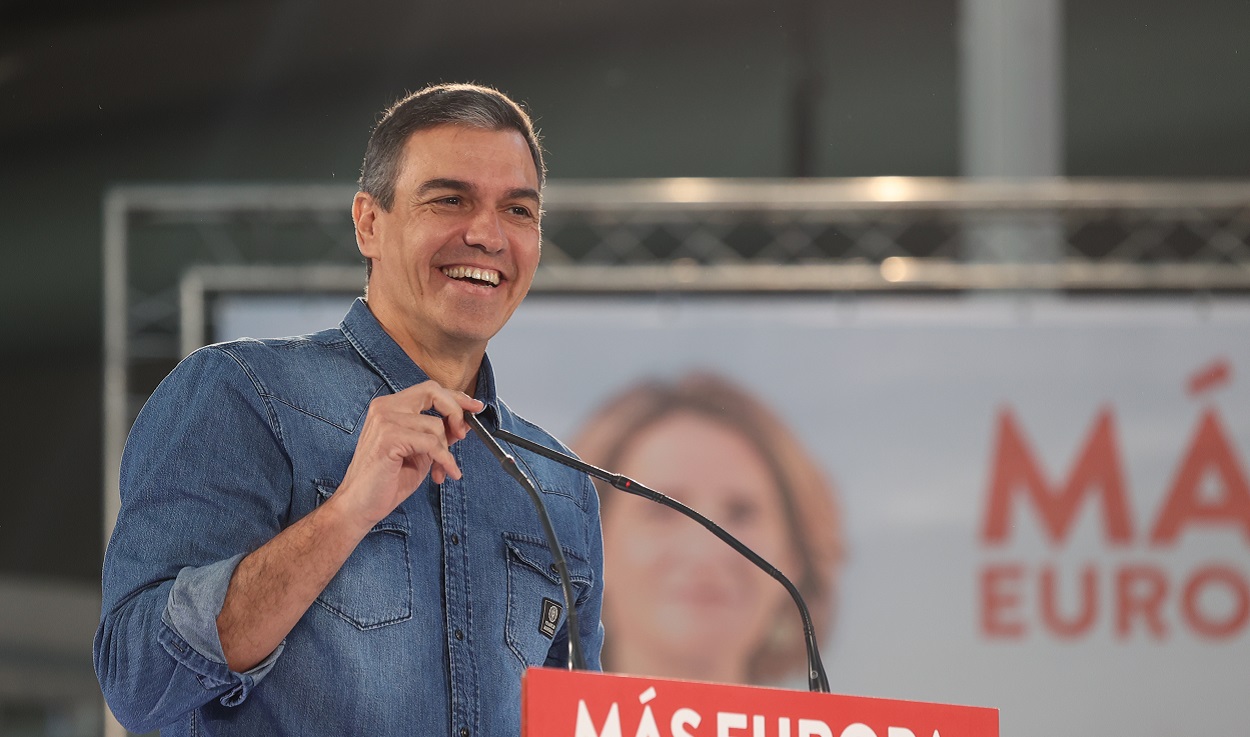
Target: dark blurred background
[{"x": 97, "y": 94}]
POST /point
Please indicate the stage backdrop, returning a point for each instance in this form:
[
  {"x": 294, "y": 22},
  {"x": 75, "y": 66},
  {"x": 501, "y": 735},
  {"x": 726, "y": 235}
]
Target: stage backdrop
[{"x": 1044, "y": 500}]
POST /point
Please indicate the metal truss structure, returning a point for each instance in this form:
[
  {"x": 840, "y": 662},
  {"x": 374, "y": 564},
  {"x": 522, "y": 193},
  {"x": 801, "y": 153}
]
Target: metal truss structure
[{"x": 166, "y": 246}]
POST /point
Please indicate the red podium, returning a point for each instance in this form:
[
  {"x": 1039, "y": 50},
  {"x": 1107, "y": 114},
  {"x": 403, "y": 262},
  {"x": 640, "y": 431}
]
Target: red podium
[{"x": 561, "y": 703}]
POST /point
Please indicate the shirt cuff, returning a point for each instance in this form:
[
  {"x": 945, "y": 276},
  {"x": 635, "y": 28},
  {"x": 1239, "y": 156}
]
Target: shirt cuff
[{"x": 191, "y": 637}]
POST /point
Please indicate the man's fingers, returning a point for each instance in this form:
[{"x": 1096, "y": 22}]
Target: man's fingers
[
  {"x": 431, "y": 447},
  {"x": 451, "y": 405},
  {"x": 444, "y": 465},
  {"x": 403, "y": 435},
  {"x": 402, "y": 418}
]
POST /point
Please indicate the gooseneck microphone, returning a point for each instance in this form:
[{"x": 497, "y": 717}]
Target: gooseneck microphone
[
  {"x": 817, "y": 681},
  {"x": 576, "y": 660}
]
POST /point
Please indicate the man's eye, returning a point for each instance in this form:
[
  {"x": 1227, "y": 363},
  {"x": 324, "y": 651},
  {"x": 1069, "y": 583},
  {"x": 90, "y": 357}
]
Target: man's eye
[
  {"x": 453, "y": 200},
  {"x": 520, "y": 211}
]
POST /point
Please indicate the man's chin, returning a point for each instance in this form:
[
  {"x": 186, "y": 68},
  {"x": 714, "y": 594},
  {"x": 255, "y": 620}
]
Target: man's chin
[{"x": 472, "y": 334}]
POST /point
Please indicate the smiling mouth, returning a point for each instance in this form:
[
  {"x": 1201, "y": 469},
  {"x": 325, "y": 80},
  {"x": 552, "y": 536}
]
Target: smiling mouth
[{"x": 480, "y": 277}]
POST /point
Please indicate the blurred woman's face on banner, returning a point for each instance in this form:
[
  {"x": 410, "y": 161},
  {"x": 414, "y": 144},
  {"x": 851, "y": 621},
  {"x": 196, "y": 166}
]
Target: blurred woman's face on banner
[{"x": 681, "y": 602}]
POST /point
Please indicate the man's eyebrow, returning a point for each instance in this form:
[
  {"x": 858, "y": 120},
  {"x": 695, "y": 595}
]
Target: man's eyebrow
[
  {"x": 525, "y": 193},
  {"x": 456, "y": 185}
]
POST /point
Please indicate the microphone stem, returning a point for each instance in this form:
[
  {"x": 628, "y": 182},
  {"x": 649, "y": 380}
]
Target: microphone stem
[
  {"x": 817, "y": 681},
  {"x": 577, "y": 660}
]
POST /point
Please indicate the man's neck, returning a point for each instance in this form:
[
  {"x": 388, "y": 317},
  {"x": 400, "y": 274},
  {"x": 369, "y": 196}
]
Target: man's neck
[
  {"x": 449, "y": 372},
  {"x": 451, "y": 364}
]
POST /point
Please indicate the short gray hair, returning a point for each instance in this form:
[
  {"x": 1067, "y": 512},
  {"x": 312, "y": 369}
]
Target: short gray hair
[{"x": 460, "y": 104}]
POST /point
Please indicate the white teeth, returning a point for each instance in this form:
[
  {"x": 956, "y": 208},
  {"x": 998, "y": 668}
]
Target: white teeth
[{"x": 468, "y": 272}]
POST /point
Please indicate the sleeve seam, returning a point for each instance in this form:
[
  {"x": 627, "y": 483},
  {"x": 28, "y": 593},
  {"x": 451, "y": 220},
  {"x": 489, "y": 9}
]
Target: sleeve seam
[{"x": 275, "y": 426}]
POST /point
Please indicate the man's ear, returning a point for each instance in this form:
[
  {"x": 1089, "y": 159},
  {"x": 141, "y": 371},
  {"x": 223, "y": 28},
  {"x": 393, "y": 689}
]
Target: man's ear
[{"x": 365, "y": 215}]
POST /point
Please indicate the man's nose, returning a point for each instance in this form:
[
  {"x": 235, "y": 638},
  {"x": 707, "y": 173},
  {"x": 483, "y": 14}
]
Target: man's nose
[{"x": 485, "y": 231}]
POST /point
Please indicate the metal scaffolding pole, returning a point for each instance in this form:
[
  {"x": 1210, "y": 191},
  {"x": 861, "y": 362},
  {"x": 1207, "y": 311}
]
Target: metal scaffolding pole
[{"x": 1012, "y": 115}]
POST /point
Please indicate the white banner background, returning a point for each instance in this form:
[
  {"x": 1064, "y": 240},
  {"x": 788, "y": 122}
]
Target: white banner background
[{"x": 899, "y": 400}]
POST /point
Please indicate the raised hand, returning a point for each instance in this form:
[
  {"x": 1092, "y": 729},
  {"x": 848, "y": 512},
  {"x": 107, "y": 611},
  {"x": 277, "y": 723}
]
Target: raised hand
[{"x": 400, "y": 444}]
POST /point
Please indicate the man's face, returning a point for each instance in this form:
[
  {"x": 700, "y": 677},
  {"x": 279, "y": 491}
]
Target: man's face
[{"x": 457, "y": 251}]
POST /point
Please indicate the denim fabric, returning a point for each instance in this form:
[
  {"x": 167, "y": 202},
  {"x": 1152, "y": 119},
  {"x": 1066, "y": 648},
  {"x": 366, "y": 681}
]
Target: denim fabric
[{"x": 429, "y": 624}]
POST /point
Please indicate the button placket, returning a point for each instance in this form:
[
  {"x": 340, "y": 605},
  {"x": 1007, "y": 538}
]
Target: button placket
[{"x": 462, "y": 671}]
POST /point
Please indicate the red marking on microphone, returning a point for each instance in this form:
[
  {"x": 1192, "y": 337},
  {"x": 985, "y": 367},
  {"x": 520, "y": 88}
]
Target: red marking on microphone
[{"x": 1212, "y": 376}]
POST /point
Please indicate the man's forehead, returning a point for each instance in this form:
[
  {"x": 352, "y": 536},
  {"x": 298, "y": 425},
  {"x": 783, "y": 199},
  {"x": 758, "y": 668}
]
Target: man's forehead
[{"x": 439, "y": 150}]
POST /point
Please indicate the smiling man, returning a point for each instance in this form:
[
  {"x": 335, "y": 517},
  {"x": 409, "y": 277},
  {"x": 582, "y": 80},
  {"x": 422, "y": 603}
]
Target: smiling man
[{"x": 310, "y": 542}]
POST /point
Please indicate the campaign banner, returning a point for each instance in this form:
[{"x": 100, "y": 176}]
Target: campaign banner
[
  {"x": 1032, "y": 502},
  {"x": 562, "y": 703}
]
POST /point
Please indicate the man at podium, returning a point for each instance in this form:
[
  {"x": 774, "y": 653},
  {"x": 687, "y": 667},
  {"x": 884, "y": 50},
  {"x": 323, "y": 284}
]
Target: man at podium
[{"x": 310, "y": 541}]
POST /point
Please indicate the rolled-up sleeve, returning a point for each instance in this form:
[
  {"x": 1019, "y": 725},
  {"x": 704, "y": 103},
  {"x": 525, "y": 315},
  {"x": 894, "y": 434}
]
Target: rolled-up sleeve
[{"x": 205, "y": 481}]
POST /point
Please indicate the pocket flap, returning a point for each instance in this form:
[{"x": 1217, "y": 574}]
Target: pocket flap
[
  {"x": 533, "y": 552},
  {"x": 396, "y": 521}
]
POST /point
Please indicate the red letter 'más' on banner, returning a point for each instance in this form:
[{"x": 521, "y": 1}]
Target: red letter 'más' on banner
[
  {"x": 1212, "y": 376},
  {"x": 1209, "y": 454},
  {"x": 1097, "y": 470}
]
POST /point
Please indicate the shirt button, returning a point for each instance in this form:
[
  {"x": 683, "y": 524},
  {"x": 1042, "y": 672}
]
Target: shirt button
[
  {"x": 555, "y": 571},
  {"x": 455, "y": 539},
  {"x": 464, "y": 732},
  {"x": 459, "y": 635}
]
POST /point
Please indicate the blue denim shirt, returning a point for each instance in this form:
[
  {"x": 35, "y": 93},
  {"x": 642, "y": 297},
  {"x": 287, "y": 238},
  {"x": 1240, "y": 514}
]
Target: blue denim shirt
[{"x": 429, "y": 624}]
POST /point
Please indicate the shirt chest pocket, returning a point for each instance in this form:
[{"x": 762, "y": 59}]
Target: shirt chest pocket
[
  {"x": 536, "y": 607},
  {"x": 374, "y": 586}
]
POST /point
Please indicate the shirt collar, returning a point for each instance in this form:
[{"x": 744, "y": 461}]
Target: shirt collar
[{"x": 380, "y": 351}]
